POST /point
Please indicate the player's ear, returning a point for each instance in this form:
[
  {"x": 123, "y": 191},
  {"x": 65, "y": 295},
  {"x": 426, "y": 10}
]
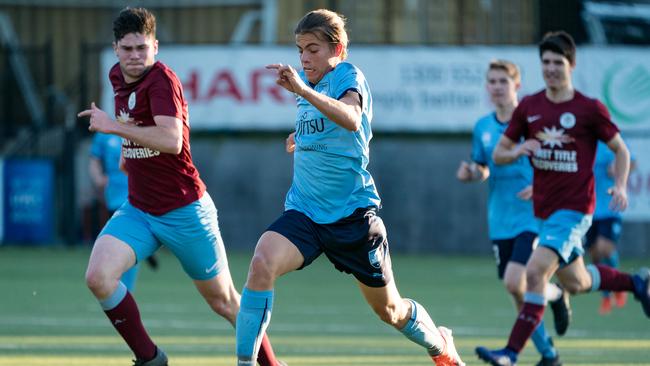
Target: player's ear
[
  {"x": 338, "y": 50},
  {"x": 115, "y": 48},
  {"x": 155, "y": 46}
]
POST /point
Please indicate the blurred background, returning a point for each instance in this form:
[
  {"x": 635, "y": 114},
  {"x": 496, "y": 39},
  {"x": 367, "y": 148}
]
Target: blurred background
[{"x": 425, "y": 61}]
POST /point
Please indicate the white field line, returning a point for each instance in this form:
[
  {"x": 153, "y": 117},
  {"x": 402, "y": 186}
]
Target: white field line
[{"x": 218, "y": 324}]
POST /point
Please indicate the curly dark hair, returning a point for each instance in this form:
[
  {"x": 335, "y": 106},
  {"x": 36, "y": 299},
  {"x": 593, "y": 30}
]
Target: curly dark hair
[{"x": 134, "y": 20}]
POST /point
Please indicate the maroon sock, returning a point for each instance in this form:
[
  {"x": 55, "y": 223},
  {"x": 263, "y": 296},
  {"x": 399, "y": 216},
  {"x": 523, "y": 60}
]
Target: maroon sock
[
  {"x": 125, "y": 317},
  {"x": 266, "y": 357},
  {"x": 614, "y": 280},
  {"x": 528, "y": 319}
]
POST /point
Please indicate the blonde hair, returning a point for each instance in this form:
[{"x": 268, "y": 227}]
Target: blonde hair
[
  {"x": 327, "y": 26},
  {"x": 508, "y": 67}
]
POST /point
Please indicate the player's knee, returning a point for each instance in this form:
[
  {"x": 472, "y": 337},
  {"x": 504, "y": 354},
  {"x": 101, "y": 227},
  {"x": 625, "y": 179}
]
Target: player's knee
[
  {"x": 97, "y": 282},
  {"x": 534, "y": 277},
  {"x": 575, "y": 287},
  {"x": 515, "y": 289},
  {"x": 261, "y": 269}
]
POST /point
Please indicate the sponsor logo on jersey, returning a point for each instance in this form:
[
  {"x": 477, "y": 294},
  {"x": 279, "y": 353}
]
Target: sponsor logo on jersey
[{"x": 533, "y": 118}]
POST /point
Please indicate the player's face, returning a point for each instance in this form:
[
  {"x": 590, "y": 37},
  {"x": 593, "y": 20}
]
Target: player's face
[
  {"x": 317, "y": 57},
  {"x": 556, "y": 70},
  {"x": 136, "y": 53},
  {"x": 501, "y": 88}
]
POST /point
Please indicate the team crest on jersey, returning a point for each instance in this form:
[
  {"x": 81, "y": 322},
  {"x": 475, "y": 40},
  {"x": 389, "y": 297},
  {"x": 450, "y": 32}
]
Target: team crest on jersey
[
  {"x": 553, "y": 137},
  {"x": 131, "y": 101},
  {"x": 567, "y": 120},
  {"x": 486, "y": 137},
  {"x": 375, "y": 257}
]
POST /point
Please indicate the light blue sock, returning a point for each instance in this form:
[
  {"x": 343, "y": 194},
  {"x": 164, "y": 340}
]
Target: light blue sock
[
  {"x": 613, "y": 260},
  {"x": 421, "y": 330},
  {"x": 115, "y": 298},
  {"x": 595, "y": 277},
  {"x": 129, "y": 277},
  {"x": 253, "y": 318},
  {"x": 542, "y": 342}
]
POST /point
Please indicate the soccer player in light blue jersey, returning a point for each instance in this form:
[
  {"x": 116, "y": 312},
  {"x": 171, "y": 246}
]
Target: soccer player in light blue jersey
[
  {"x": 332, "y": 204},
  {"x": 603, "y": 235},
  {"x": 511, "y": 222}
]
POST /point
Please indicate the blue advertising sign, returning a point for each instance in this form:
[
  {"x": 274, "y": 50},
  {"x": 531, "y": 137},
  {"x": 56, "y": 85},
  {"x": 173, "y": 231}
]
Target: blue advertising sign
[{"x": 28, "y": 201}]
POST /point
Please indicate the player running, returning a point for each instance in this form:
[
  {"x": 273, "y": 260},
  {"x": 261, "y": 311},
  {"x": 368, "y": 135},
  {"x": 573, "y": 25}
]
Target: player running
[
  {"x": 511, "y": 223},
  {"x": 561, "y": 127},
  {"x": 168, "y": 204},
  {"x": 332, "y": 204}
]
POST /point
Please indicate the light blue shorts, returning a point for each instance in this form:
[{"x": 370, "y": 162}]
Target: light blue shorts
[
  {"x": 191, "y": 232},
  {"x": 563, "y": 231}
]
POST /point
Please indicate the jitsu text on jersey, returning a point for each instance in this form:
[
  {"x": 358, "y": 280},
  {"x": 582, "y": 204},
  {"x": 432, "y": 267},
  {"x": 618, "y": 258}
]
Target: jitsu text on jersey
[{"x": 310, "y": 126}]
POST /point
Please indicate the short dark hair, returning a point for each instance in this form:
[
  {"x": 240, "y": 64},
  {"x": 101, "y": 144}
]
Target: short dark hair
[
  {"x": 134, "y": 20},
  {"x": 559, "y": 42}
]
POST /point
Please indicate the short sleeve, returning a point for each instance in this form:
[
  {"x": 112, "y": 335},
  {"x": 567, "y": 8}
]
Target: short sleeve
[
  {"x": 517, "y": 128},
  {"x": 166, "y": 96},
  {"x": 604, "y": 127},
  {"x": 348, "y": 79},
  {"x": 478, "y": 151}
]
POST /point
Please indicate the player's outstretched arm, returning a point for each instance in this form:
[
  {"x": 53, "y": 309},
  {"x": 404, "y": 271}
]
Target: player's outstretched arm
[
  {"x": 166, "y": 136},
  {"x": 621, "y": 172}
]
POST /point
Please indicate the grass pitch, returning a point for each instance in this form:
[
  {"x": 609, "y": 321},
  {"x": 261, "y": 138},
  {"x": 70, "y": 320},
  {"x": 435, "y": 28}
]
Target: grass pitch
[{"x": 48, "y": 317}]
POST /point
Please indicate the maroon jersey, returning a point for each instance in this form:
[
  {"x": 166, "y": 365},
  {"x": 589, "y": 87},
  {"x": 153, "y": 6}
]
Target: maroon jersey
[
  {"x": 568, "y": 132},
  {"x": 158, "y": 182}
]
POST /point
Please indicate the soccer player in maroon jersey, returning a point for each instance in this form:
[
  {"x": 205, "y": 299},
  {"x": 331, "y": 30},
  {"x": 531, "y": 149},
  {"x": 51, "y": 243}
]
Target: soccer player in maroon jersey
[
  {"x": 561, "y": 128},
  {"x": 167, "y": 203}
]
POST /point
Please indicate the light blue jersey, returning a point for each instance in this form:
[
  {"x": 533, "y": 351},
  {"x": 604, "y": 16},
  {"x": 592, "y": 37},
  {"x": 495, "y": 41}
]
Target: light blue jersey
[
  {"x": 107, "y": 149},
  {"x": 602, "y": 181},
  {"x": 508, "y": 215},
  {"x": 330, "y": 179}
]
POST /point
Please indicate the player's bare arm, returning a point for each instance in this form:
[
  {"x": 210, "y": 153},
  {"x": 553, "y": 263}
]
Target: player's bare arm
[
  {"x": 165, "y": 136},
  {"x": 470, "y": 172},
  {"x": 621, "y": 172},
  {"x": 290, "y": 143},
  {"x": 96, "y": 172},
  {"x": 507, "y": 151},
  {"x": 526, "y": 193},
  {"x": 346, "y": 112}
]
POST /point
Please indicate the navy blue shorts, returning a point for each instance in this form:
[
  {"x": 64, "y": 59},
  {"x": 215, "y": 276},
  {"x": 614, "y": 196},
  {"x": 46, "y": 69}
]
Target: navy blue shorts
[
  {"x": 517, "y": 249},
  {"x": 356, "y": 244},
  {"x": 609, "y": 228}
]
